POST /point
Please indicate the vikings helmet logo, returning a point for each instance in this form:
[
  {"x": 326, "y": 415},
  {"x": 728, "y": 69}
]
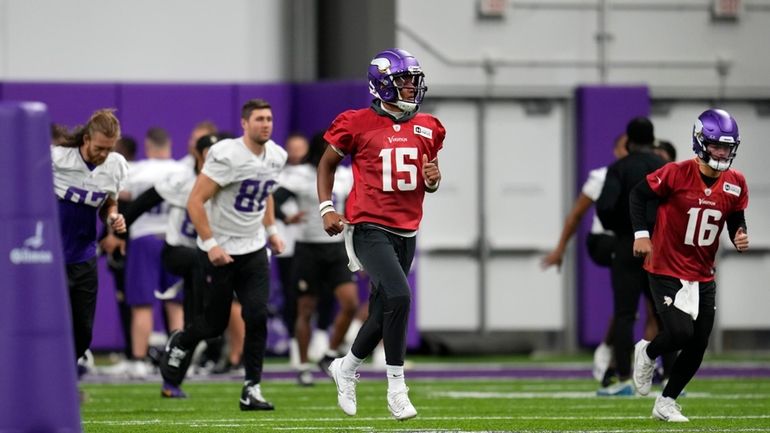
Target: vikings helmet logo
[{"x": 382, "y": 64}]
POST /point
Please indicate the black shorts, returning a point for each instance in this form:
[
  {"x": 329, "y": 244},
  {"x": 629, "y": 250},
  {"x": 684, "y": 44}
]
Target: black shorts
[
  {"x": 320, "y": 267},
  {"x": 665, "y": 288}
]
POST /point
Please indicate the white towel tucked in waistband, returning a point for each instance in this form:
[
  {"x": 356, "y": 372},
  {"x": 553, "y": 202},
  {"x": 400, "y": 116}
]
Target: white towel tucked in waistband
[
  {"x": 688, "y": 298},
  {"x": 353, "y": 263}
]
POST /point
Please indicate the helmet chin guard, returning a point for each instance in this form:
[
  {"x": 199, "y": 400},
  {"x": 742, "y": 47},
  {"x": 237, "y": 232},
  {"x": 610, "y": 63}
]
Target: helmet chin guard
[
  {"x": 715, "y": 127},
  {"x": 389, "y": 72}
]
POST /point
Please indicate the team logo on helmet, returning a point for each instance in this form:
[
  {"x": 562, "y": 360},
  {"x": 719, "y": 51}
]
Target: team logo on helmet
[{"x": 382, "y": 64}]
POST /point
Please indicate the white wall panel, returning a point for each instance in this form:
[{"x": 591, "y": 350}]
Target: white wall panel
[
  {"x": 522, "y": 297},
  {"x": 742, "y": 294},
  {"x": 524, "y": 176},
  {"x": 450, "y": 216},
  {"x": 448, "y": 293}
]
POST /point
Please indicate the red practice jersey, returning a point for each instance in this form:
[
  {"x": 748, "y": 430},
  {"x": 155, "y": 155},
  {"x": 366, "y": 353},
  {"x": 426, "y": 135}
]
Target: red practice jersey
[
  {"x": 388, "y": 185},
  {"x": 690, "y": 219}
]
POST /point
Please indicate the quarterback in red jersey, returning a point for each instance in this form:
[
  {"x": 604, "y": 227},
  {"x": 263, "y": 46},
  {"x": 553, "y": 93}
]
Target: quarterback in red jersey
[
  {"x": 394, "y": 151},
  {"x": 697, "y": 197}
]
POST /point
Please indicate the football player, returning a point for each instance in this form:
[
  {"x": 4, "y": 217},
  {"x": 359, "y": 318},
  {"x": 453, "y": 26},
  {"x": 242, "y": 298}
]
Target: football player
[
  {"x": 394, "y": 151},
  {"x": 236, "y": 185},
  {"x": 87, "y": 177},
  {"x": 697, "y": 197}
]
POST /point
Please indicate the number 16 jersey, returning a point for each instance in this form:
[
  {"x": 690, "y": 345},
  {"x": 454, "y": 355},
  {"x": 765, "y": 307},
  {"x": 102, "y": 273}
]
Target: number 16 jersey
[
  {"x": 690, "y": 218},
  {"x": 388, "y": 185}
]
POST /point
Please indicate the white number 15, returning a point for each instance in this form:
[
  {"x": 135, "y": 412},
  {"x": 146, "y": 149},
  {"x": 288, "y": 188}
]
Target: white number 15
[{"x": 402, "y": 154}]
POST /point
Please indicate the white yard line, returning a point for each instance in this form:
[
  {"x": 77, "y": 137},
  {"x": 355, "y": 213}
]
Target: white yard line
[{"x": 264, "y": 421}]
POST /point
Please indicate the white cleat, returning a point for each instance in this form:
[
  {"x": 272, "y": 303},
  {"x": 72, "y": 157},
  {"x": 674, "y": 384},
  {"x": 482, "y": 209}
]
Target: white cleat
[
  {"x": 602, "y": 358},
  {"x": 400, "y": 406},
  {"x": 666, "y": 409},
  {"x": 346, "y": 387},
  {"x": 644, "y": 367}
]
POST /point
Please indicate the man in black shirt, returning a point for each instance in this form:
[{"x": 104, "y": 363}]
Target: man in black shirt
[{"x": 628, "y": 277}]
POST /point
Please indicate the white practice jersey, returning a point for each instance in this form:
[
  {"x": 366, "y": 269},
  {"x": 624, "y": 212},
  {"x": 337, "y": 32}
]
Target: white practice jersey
[
  {"x": 592, "y": 188},
  {"x": 142, "y": 176},
  {"x": 175, "y": 190},
  {"x": 246, "y": 180},
  {"x": 74, "y": 181},
  {"x": 303, "y": 183}
]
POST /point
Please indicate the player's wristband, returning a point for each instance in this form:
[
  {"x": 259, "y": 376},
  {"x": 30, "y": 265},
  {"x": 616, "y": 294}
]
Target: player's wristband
[
  {"x": 271, "y": 230},
  {"x": 208, "y": 244},
  {"x": 325, "y": 204},
  {"x": 642, "y": 234},
  {"x": 326, "y": 210},
  {"x": 431, "y": 186}
]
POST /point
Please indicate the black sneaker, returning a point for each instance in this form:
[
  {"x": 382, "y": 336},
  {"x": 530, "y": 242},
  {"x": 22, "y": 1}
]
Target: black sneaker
[
  {"x": 610, "y": 377},
  {"x": 251, "y": 398},
  {"x": 175, "y": 360},
  {"x": 324, "y": 364},
  {"x": 305, "y": 378}
]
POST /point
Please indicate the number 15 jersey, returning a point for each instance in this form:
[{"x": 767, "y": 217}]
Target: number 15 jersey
[
  {"x": 388, "y": 185},
  {"x": 690, "y": 218}
]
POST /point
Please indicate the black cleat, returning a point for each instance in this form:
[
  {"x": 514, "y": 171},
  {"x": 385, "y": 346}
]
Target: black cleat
[
  {"x": 305, "y": 378},
  {"x": 324, "y": 364},
  {"x": 251, "y": 398},
  {"x": 175, "y": 360}
]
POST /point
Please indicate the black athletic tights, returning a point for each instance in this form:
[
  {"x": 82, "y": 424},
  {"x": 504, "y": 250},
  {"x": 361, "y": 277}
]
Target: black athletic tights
[{"x": 680, "y": 332}]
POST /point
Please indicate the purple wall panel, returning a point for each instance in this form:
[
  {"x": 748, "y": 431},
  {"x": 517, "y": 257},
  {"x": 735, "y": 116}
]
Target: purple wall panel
[
  {"x": 316, "y": 105},
  {"x": 602, "y": 115},
  {"x": 70, "y": 104},
  {"x": 177, "y": 108},
  {"x": 279, "y": 97}
]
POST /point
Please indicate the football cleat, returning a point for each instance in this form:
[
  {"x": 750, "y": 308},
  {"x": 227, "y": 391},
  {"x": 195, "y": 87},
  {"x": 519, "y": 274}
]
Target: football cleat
[
  {"x": 400, "y": 406},
  {"x": 171, "y": 391},
  {"x": 644, "y": 367},
  {"x": 324, "y": 364},
  {"x": 666, "y": 409},
  {"x": 346, "y": 387},
  {"x": 602, "y": 358},
  {"x": 251, "y": 398},
  {"x": 620, "y": 389},
  {"x": 305, "y": 378},
  {"x": 175, "y": 360}
]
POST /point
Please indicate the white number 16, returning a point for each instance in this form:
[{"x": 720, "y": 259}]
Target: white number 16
[{"x": 708, "y": 230}]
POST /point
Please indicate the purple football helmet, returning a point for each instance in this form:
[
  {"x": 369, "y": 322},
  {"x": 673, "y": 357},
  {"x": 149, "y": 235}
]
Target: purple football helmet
[
  {"x": 715, "y": 126},
  {"x": 390, "y": 71}
]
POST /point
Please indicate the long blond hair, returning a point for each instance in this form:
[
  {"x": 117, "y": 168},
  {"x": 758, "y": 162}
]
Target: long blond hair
[{"x": 103, "y": 121}]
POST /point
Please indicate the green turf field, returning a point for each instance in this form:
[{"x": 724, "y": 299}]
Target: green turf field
[{"x": 718, "y": 405}]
